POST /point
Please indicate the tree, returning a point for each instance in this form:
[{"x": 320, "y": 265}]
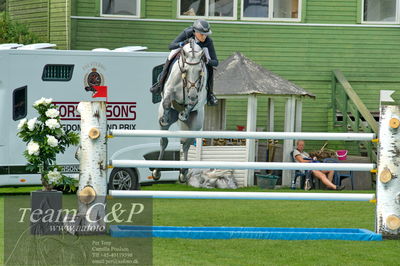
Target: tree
[
  {"x": 14, "y": 32},
  {"x": 2, "y": 5}
]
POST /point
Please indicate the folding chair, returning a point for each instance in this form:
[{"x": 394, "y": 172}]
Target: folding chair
[
  {"x": 298, "y": 173},
  {"x": 338, "y": 176}
]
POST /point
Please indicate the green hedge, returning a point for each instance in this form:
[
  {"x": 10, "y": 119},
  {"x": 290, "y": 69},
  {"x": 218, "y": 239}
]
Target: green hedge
[
  {"x": 2, "y": 5},
  {"x": 13, "y": 32}
]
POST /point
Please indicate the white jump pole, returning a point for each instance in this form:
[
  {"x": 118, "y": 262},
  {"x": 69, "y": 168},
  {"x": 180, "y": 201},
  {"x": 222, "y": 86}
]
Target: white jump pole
[
  {"x": 241, "y": 195},
  {"x": 242, "y": 165},
  {"x": 243, "y": 135}
]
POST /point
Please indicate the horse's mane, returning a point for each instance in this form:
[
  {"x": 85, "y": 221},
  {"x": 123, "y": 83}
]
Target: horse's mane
[{"x": 192, "y": 46}]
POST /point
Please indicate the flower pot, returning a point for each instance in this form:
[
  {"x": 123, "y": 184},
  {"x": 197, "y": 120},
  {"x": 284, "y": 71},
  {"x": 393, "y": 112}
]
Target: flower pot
[
  {"x": 267, "y": 181},
  {"x": 46, "y": 210}
]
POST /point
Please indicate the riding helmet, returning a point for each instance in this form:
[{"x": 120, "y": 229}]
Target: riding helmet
[{"x": 202, "y": 26}]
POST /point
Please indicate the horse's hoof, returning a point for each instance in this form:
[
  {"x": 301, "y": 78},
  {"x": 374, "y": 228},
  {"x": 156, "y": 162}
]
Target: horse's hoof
[
  {"x": 182, "y": 178},
  {"x": 183, "y": 116},
  {"x": 163, "y": 122},
  {"x": 156, "y": 175}
]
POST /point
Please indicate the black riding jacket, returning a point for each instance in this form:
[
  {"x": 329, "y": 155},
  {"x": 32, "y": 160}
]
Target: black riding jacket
[{"x": 189, "y": 33}]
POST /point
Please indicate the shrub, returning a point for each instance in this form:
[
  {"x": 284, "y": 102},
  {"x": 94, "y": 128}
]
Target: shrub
[
  {"x": 14, "y": 32},
  {"x": 45, "y": 138}
]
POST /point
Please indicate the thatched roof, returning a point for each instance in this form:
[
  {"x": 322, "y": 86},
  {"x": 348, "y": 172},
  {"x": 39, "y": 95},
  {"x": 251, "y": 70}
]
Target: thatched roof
[{"x": 238, "y": 75}]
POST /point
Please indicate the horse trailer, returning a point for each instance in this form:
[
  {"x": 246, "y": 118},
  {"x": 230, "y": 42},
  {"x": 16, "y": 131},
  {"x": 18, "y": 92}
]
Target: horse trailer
[{"x": 67, "y": 77}]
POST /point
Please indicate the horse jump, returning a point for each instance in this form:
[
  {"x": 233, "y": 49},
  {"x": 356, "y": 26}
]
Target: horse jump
[
  {"x": 242, "y": 232},
  {"x": 388, "y": 225}
]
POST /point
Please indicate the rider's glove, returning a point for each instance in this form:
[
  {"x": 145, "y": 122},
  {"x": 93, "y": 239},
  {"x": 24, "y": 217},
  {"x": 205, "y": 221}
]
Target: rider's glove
[{"x": 181, "y": 44}]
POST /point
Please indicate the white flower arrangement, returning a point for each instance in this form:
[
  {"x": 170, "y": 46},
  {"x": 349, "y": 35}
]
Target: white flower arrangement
[
  {"x": 33, "y": 148},
  {"x": 45, "y": 139},
  {"x": 61, "y": 133},
  {"x": 42, "y": 101},
  {"x": 32, "y": 123},
  {"x": 52, "y": 113},
  {"x": 39, "y": 102},
  {"x": 22, "y": 123},
  {"x": 52, "y": 141},
  {"x": 52, "y": 123},
  {"x": 54, "y": 177}
]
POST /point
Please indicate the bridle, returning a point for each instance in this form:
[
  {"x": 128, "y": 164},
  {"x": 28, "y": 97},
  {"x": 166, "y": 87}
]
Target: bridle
[{"x": 185, "y": 81}]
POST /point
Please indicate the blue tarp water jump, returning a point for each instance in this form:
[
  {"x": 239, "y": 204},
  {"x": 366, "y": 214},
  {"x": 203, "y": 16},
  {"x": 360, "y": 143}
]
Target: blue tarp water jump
[{"x": 244, "y": 233}]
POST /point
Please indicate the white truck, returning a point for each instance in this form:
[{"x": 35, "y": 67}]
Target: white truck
[{"x": 67, "y": 77}]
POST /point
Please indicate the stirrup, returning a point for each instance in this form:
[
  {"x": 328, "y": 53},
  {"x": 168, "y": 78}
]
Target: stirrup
[
  {"x": 156, "y": 88},
  {"x": 212, "y": 100}
]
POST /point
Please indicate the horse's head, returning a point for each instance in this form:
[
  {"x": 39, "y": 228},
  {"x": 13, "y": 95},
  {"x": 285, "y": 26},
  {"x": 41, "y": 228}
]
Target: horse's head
[
  {"x": 192, "y": 52},
  {"x": 193, "y": 70}
]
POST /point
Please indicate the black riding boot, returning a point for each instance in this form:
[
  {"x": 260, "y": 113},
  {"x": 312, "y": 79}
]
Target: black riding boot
[
  {"x": 211, "y": 99},
  {"x": 158, "y": 86}
]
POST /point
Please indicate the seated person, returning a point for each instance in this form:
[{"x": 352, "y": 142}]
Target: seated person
[{"x": 300, "y": 156}]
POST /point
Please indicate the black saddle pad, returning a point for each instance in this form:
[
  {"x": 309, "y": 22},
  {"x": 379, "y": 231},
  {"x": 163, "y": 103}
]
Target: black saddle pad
[{"x": 156, "y": 97}]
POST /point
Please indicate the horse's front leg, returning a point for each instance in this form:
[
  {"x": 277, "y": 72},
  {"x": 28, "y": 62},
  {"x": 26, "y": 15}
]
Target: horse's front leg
[
  {"x": 163, "y": 145},
  {"x": 172, "y": 118},
  {"x": 166, "y": 104},
  {"x": 185, "y": 148},
  {"x": 184, "y": 115},
  {"x": 191, "y": 100}
]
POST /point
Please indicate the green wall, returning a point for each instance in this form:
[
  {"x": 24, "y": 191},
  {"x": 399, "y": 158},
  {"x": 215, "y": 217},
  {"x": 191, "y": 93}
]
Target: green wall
[
  {"x": 34, "y": 13},
  {"x": 302, "y": 54},
  {"x": 49, "y": 19},
  {"x": 160, "y": 9},
  {"x": 337, "y": 11},
  {"x": 60, "y": 13}
]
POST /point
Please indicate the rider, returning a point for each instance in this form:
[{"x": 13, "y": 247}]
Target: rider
[{"x": 200, "y": 31}]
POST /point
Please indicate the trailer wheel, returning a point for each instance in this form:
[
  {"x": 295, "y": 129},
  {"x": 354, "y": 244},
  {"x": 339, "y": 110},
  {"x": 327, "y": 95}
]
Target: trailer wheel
[{"x": 123, "y": 179}]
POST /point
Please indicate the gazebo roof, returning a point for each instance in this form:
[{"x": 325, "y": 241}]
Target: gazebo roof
[{"x": 238, "y": 75}]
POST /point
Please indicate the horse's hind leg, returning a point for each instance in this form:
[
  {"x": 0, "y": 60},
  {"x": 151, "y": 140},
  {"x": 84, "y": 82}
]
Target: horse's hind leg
[{"x": 194, "y": 123}]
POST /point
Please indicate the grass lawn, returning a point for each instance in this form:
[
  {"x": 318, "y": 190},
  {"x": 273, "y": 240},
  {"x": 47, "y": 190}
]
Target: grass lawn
[{"x": 263, "y": 213}]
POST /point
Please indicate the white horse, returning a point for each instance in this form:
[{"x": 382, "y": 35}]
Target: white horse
[{"x": 183, "y": 98}]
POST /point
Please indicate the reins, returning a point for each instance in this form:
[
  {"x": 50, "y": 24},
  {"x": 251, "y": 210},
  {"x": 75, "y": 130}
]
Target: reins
[{"x": 185, "y": 81}]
